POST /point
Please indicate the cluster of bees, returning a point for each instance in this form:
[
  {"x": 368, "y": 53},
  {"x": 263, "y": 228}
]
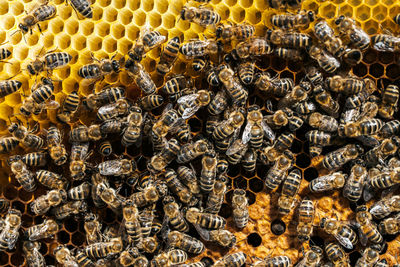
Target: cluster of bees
[{"x": 183, "y": 185}]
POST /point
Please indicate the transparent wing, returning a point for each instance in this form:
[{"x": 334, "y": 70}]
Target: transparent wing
[
  {"x": 268, "y": 131},
  {"x": 246, "y": 133},
  {"x": 368, "y": 192},
  {"x": 204, "y": 233},
  {"x": 302, "y": 263},
  {"x": 379, "y": 209},
  {"x": 322, "y": 184},
  {"x": 51, "y": 104},
  {"x": 107, "y": 109},
  {"x": 187, "y": 98},
  {"x": 236, "y": 147},
  {"x": 39, "y": 233},
  {"x": 111, "y": 167},
  {"x": 344, "y": 241},
  {"x": 363, "y": 237},
  {"x": 190, "y": 111}
]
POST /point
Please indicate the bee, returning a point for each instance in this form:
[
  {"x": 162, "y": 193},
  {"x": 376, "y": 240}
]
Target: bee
[
  {"x": 170, "y": 257},
  {"x": 140, "y": 76},
  {"x": 254, "y": 47},
  {"x": 42, "y": 13},
  {"x": 314, "y": 75},
  {"x": 113, "y": 110},
  {"x": 53, "y": 198},
  {"x": 288, "y": 54},
  {"x": 369, "y": 257},
  {"x": 82, "y": 7},
  {"x": 390, "y": 128},
  {"x": 7, "y": 144},
  {"x": 240, "y": 208},
  {"x": 269, "y": 154},
  {"x": 282, "y": 261},
  {"x": 4, "y": 205},
  {"x": 160, "y": 161},
  {"x": 204, "y": 220},
  {"x": 82, "y": 133},
  {"x": 326, "y": 35},
  {"x": 228, "y": 32},
  {"x": 190, "y": 151},
  {"x": 279, "y": 87},
  {"x": 49, "y": 62},
  {"x": 185, "y": 242},
  {"x": 152, "y": 101},
  {"x": 22, "y": 174},
  {"x": 318, "y": 138},
  {"x": 323, "y": 122},
  {"x": 101, "y": 68},
  {"x": 200, "y": 15},
  {"x": 168, "y": 121},
  {"x": 32, "y": 255},
  {"x": 132, "y": 257},
  {"x": 385, "y": 207},
  {"x": 306, "y": 219},
  {"x": 289, "y": 39},
  {"x": 357, "y": 37},
  {"x": 341, "y": 231},
  {"x": 328, "y": 182},
  {"x": 80, "y": 192},
  {"x": 341, "y": 156},
  {"x": 117, "y": 167},
  {"x": 176, "y": 186},
  {"x": 290, "y": 188},
  {"x": 149, "y": 194},
  {"x": 8, "y": 87},
  {"x": 326, "y": 102},
  {"x": 190, "y": 104},
  {"x": 249, "y": 160},
  {"x": 234, "y": 260},
  {"x": 79, "y": 155},
  {"x": 390, "y": 226},
  {"x": 177, "y": 84},
  {"x": 386, "y": 148},
  {"x": 105, "y": 148},
  {"x": 92, "y": 228},
  {"x": 384, "y": 179},
  {"x": 168, "y": 56},
  {"x": 385, "y": 43},
  {"x": 132, "y": 225},
  {"x": 64, "y": 256},
  {"x": 109, "y": 196},
  {"x": 56, "y": 149},
  {"x": 279, "y": 170},
  {"x": 96, "y": 180},
  {"x": 246, "y": 72},
  {"x": 105, "y": 96},
  {"x": 367, "y": 227},
  {"x": 4, "y": 54},
  {"x": 48, "y": 229},
  {"x": 390, "y": 98},
  {"x": 383, "y": 263},
  {"x": 31, "y": 159},
  {"x": 227, "y": 127},
  {"x": 183, "y": 133},
  {"x": 355, "y": 183},
  {"x": 208, "y": 171},
  {"x": 112, "y": 126},
  {"x": 27, "y": 138},
  {"x": 217, "y": 195},
  {"x": 347, "y": 86},
  {"x": 82, "y": 259},
  {"x": 199, "y": 48},
  {"x": 311, "y": 258},
  {"x": 360, "y": 127},
  {"x": 147, "y": 41},
  {"x": 188, "y": 177},
  {"x": 51, "y": 180},
  {"x": 233, "y": 87},
  {"x": 69, "y": 208},
  {"x": 337, "y": 255},
  {"x": 173, "y": 214},
  {"x": 289, "y": 21},
  {"x": 10, "y": 231},
  {"x": 325, "y": 60}
]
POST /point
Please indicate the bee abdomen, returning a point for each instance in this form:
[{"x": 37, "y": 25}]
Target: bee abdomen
[{"x": 90, "y": 71}]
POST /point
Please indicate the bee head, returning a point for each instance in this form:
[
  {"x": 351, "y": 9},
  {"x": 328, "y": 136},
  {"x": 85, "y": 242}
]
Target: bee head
[
  {"x": 115, "y": 65},
  {"x": 322, "y": 222},
  {"x": 339, "y": 20},
  {"x": 218, "y": 32},
  {"x": 24, "y": 28},
  {"x": 31, "y": 69},
  {"x": 311, "y": 15}
]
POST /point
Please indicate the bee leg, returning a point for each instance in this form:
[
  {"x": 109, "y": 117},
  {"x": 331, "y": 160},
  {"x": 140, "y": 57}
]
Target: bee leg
[
  {"x": 2, "y": 61},
  {"x": 40, "y": 29}
]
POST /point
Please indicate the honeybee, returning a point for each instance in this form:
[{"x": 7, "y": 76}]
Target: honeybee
[
  {"x": 326, "y": 102},
  {"x": 279, "y": 87},
  {"x": 200, "y": 15},
  {"x": 113, "y": 110},
  {"x": 341, "y": 231},
  {"x": 390, "y": 128},
  {"x": 82, "y": 133},
  {"x": 56, "y": 149},
  {"x": 26, "y": 137},
  {"x": 179, "y": 189},
  {"x": 190, "y": 104},
  {"x": 79, "y": 155},
  {"x": 337, "y": 255},
  {"x": 314, "y": 75},
  {"x": 185, "y": 242},
  {"x": 109, "y": 196},
  {"x": 105, "y": 96},
  {"x": 240, "y": 207},
  {"x": 117, "y": 167},
  {"x": 311, "y": 258},
  {"x": 168, "y": 121},
  {"x": 355, "y": 183},
  {"x": 4, "y": 205},
  {"x": 8, "y": 87},
  {"x": 208, "y": 171},
  {"x": 4, "y": 54},
  {"x": 92, "y": 228},
  {"x": 23, "y": 175},
  {"x": 323, "y": 122},
  {"x": 289, "y": 39},
  {"x": 190, "y": 151},
  {"x": 325, "y": 60},
  {"x": 132, "y": 225},
  {"x": 48, "y": 229},
  {"x": 204, "y": 220},
  {"x": 7, "y": 144},
  {"x": 328, "y": 182},
  {"x": 385, "y": 206},
  {"x": 360, "y": 127},
  {"x": 69, "y": 208},
  {"x": 386, "y": 148},
  {"x": 112, "y": 126},
  {"x": 82, "y": 7},
  {"x": 101, "y": 68},
  {"x": 80, "y": 192},
  {"x": 152, "y": 101},
  {"x": 269, "y": 154},
  {"x": 199, "y": 48},
  {"x": 384, "y": 179},
  {"x": 64, "y": 256},
  {"x": 235, "y": 260},
  {"x": 318, "y": 138},
  {"x": 222, "y": 237},
  {"x": 217, "y": 195},
  {"x": 168, "y": 56},
  {"x": 132, "y": 133},
  {"x": 51, "y": 180},
  {"x": 32, "y": 255},
  {"x": 140, "y": 76},
  {"x": 390, "y": 98},
  {"x": 105, "y": 148},
  {"x": 132, "y": 257},
  {"x": 146, "y": 219},
  {"x": 188, "y": 177},
  {"x": 279, "y": 170},
  {"x": 82, "y": 259},
  {"x": 42, "y": 13},
  {"x": 306, "y": 219},
  {"x": 367, "y": 227},
  {"x": 228, "y": 32},
  {"x": 149, "y": 194},
  {"x": 227, "y": 127},
  {"x": 385, "y": 43},
  {"x": 289, "y": 21},
  {"x": 160, "y": 161},
  {"x": 31, "y": 159},
  {"x": 282, "y": 261},
  {"x": 254, "y": 47},
  {"x": 390, "y": 226},
  {"x": 341, "y": 156},
  {"x": 43, "y": 203},
  {"x": 147, "y": 41},
  {"x": 369, "y": 257},
  {"x": 290, "y": 188},
  {"x": 177, "y": 84},
  {"x": 288, "y": 54},
  {"x": 233, "y": 87},
  {"x": 49, "y": 62},
  {"x": 357, "y": 37},
  {"x": 347, "y": 86},
  {"x": 10, "y": 231},
  {"x": 326, "y": 35},
  {"x": 173, "y": 215},
  {"x": 170, "y": 257}
]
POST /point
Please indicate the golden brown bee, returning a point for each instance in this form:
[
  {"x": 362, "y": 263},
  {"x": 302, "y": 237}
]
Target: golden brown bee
[
  {"x": 82, "y": 133},
  {"x": 360, "y": 127},
  {"x": 48, "y": 229},
  {"x": 325, "y": 60},
  {"x": 183, "y": 133},
  {"x": 105, "y": 148},
  {"x": 288, "y": 54},
  {"x": 9, "y": 86},
  {"x": 385, "y": 206},
  {"x": 69, "y": 208},
  {"x": 7, "y": 144},
  {"x": 64, "y": 256},
  {"x": 199, "y": 48},
  {"x": 279, "y": 119},
  {"x": 4, "y": 54},
  {"x": 306, "y": 219},
  {"x": 43, "y": 203},
  {"x": 51, "y": 180},
  {"x": 290, "y": 188},
  {"x": 82, "y": 259},
  {"x": 366, "y": 225},
  {"x": 56, "y": 149},
  {"x": 328, "y": 182},
  {"x": 31, "y": 159},
  {"x": 92, "y": 228},
  {"x": 337, "y": 255},
  {"x": 384, "y": 179},
  {"x": 312, "y": 257},
  {"x": 117, "y": 167},
  {"x": 42, "y": 13},
  {"x": 314, "y": 75},
  {"x": 32, "y": 255},
  {"x": 318, "y": 138},
  {"x": 80, "y": 192},
  {"x": 190, "y": 151},
  {"x": 269, "y": 154},
  {"x": 200, "y": 15},
  {"x": 279, "y": 87},
  {"x": 152, "y": 101},
  {"x": 168, "y": 121},
  {"x": 390, "y": 98},
  {"x": 168, "y": 56},
  {"x": 249, "y": 160},
  {"x": 386, "y": 148},
  {"x": 132, "y": 225},
  {"x": 323, "y": 122},
  {"x": 132, "y": 133},
  {"x": 385, "y": 43},
  {"x": 113, "y": 110},
  {"x": 177, "y": 84},
  {"x": 170, "y": 257},
  {"x": 369, "y": 257},
  {"x": 341, "y": 231},
  {"x": 254, "y": 47},
  {"x": 357, "y": 37},
  {"x": 204, "y": 220},
  {"x": 179, "y": 189},
  {"x": 132, "y": 257},
  {"x": 326, "y": 35},
  {"x": 112, "y": 126},
  {"x": 96, "y": 180},
  {"x": 101, "y": 68},
  {"x": 289, "y": 21},
  {"x": 10, "y": 231},
  {"x": 173, "y": 214},
  {"x": 82, "y": 7},
  {"x": 79, "y": 155},
  {"x": 188, "y": 177},
  {"x": 149, "y": 194},
  {"x": 49, "y": 62},
  {"x": 390, "y": 128},
  {"x": 110, "y": 196},
  {"x": 355, "y": 183},
  {"x": 227, "y": 127},
  {"x": 240, "y": 208},
  {"x": 147, "y": 41},
  {"x": 190, "y": 104},
  {"x": 234, "y": 260},
  {"x": 217, "y": 195},
  {"x": 233, "y": 87},
  {"x": 140, "y": 76},
  {"x": 26, "y": 137},
  {"x": 185, "y": 242},
  {"x": 246, "y": 71},
  {"x": 289, "y": 39},
  {"x": 22, "y": 174},
  {"x": 281, "y": 261},
  {"x": 347, "y": 86},
  {"x": 326, "y": 102},
  {"x": 105, "y": 96},
  {"x": 208, "y": 171},
  {"x": 341, "y": 156},
  {"x": 228, "y": 32},
  {"x": 390, "y": 226},
  {"x": 160, "y": 161},
  {"x": 279, "y": 170}
]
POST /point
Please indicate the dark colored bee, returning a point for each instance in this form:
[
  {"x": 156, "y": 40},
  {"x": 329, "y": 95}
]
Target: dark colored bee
[
  {"x": 82, "y": 7},
  {"x": 8, "y": 87}
]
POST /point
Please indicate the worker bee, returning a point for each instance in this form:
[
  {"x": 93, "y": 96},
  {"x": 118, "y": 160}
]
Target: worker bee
[
  {"x": 279, "y": 119},
  {"x": 51, "y": 180},
  {"x": 279, "y": 87},
  {"x": 168, "y": 56},
  {"x": 106, "y": 96},
  {"x": 64, "y": 256},
  {"x": 132, "y": 257},
  {"x": 347, "y": 86},
  {"x": 306, "y": 219},
  {"x": 149, "y": 194},
  {"x": 289, "y": 39},
  {"x": 4, "y": 205},
  {"x": 82, "y": 133},
  {"x": 384, "y": 179},
  {"x": 132, "y": 133},
  {"x": 109, "y": 196},
  {"x": 314, "y": 75},
  {"x": 146, "y": 219},
  {"x": 179, "y": 189},
  {"x": 390, "y": 226},
  {"x": 113, "y": 110},
  {"x": 4, "y": 54},
  {"x": 328, "y": 182},
  {"x": 204, "y": 220},
  {"x": 318, "y": 138},
  {"x": 245, "y": 71},
  {"x": 290, "y": 188},
  {"x": 326, "y": 35},
  {"x": 326, "y": 102},
  {"x": 222, "y": 237},
  {"x": 69, "y": 208},
  {"x": 385, "y": 43},
  {"x": 199, "y": 48},
  {"x": 82, "y": 7},
  {"x": 183, "y": 133},
  {"x": 80, "y": 192},
  {"x": 173, "y": 215},
  {"x": 228, "y": 32},
  {"x": 42, "y": 13},
  {"x": 390, "y": 128},
  {"x": 190, "y": 151},
  {"x": 279, "y": 170},
  {"x": 369, "y": 257},
  {"x": 200, "y": 15},
  {"x": 355, "y": 183},
  {"x": 357, "y": 37},
  {"x": 170, "y": 257},
  {"x": 31, "y": 159},
  {"x": 325, "y": 60},
  {"x": 185, "y": 242},
  {"x": 360, "y": 127},
  {"x": 283, "y": 261},
  {"x": 160, "y": 161},
  {"x": 98, "y": 70},
  {"x": 367, "y": 227},
  {"x": 341, "y": 156},
  {"x": 8, "y": 87},
  {"x": 140, "y": 76},
  {"x": 341, "y": 231},
  {"x": 7, "y": 144},
  {"x": 10, "y": 231},
  {"x": 147, "y": 41},
  {"x": 311, "y": 258},
  {"x": 216, "y": 196},
  {"x": 117, "y": 167},
  {"x": 176, "y": 84},
  {"x": 112, "y": 126},
  {"x": 240, "y": 207},
  {"x": 22, "y": 174},
  {"x": 152, "y": 101},
  {"x": 208, "y": 171},
  {"x": 227, "y": 127},
  {"x": 168, "y": 121},
  {"x": 390, "y": 98},
  {"x": 269, "y": 154},
  {"x": 27, "y": 138},
  {"x": 49, "y": 62},
  {"x": 32, "y": 255},
  {"x": 79, "y": 155},
  {"x": 254, "y": 47},
  {"x": 289, "y": 21},
  {"x": 82, "y": 259},
  {"x": 188, "y": 177},
  {"x": 323, "y": 122},
  {"x": 190, "y": 104},
  {"x": 43, "y": 203},
  {"x": 337, "y": 255},
  {"x": 386, "y": 148},
  {"x": 92, "y": 228},
  {"x": 57, "y": 150},
  {"x": 235, "y": 260},
  {"x": 48, "y": 229},
  {"x": 132, "y": 225},
  {"x": 233, "y": 87},
  {"x": 288, "y": 54},
  {"x": 385, "y": 207}
]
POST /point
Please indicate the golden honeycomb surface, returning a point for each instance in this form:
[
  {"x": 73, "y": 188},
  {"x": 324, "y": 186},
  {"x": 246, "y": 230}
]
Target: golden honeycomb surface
[{"x": 115, "y": 26}]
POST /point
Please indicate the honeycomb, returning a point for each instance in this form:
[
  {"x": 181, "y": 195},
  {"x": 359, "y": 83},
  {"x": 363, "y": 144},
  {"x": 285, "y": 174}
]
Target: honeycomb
[{"x": 115, "y": 25}]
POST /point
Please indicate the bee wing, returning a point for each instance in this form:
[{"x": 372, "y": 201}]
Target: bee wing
[
  {"x": 39, "y": 233},
  {"x": 11, "y": 239},
  {"x": 246, "y": 133},
  {"x": 268, "y": 131},
  {"x": 302, "y": 263},
  {"x": 368, "y": 192},
  {"x": 322, "y": 183},
  {"x": 236, "y": 147},
  {"x": 379, "y": 209},
  {"x": 344, "y": 241},
  {"x": 204, "y": 233},
  {"x": 110, "y": 167},
  {"x": 51, "y": 104},
  {"x": 368, "y": 140},
  {"x": 363, "y": 237},
  {"x": 189, "y": 112}
]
